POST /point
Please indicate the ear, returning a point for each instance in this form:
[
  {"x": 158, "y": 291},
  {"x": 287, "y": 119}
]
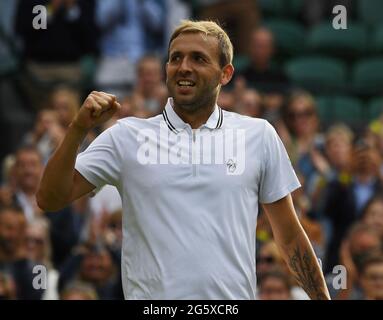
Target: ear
[{"x": 227, "y": 74}]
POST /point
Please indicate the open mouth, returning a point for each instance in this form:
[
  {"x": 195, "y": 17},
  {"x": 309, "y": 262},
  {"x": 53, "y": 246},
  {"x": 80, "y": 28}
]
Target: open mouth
[{"x": 185, "y": 83}]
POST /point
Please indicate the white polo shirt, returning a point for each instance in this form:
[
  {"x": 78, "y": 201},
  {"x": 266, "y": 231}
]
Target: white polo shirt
[{"x": 190, "y": 200}]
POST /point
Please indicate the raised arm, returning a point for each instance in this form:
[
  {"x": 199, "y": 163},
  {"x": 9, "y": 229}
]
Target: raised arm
[
  {"x": 295, "y": 248},
  {"x": 61, "y": 183}
]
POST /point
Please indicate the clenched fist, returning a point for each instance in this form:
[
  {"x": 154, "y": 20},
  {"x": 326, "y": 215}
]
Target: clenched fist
[{"x": 97, "y": 108}]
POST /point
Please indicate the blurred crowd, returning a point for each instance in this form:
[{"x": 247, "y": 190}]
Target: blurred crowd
[{"x": 120, "y": 46}]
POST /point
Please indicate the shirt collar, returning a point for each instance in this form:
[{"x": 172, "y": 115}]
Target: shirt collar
[{"x": 176, "y": 124}]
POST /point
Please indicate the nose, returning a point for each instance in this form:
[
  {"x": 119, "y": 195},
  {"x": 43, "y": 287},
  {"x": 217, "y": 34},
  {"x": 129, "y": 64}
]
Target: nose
[{"x": 185, "y": 65}]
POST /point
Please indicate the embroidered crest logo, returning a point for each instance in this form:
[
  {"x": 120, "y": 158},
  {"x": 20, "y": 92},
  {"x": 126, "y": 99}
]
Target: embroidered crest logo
[{"x": 231, "y": 166}]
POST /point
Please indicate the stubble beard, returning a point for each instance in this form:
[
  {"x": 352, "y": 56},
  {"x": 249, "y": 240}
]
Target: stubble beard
[{"x": 201, "y": 101}]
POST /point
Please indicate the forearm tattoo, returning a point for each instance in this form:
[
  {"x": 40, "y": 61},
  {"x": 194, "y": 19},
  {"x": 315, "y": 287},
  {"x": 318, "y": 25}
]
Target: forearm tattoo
[{"x": 306, "y": 274}]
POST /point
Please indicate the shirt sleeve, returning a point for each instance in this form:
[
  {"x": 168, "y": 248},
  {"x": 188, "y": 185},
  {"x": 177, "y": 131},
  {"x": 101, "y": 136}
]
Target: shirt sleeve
[
  {"x": 278, "y": 177},
  {"x": 100, "y": 163}
]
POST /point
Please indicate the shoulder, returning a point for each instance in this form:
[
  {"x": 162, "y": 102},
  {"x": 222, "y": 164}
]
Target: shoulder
[
  {"x": 125, "y": 130},
  {"x": 134, "y": 122},
  {"x": 235, "y": 119},
  {"x": 125, "y": 126}
]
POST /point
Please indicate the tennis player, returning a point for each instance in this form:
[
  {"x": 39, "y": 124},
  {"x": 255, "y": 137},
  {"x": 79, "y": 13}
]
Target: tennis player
[{"x": 190, "y": 179}]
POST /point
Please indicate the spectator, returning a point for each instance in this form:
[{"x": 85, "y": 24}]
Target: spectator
[
  {"x": 302, "y": 137},
  {"x": 360, "y": 241},
  {"x": 54, "y": 55},
  {"x": 355, "y": 194},
  {"x": 274, "y": 285},
  {"x": 12, "y": 233},
  {"x": 39, "y": 251},
  {"x": 373, "y": 213},
  {"x": 333, "y": 164},
  {"x": 270, "y": 258},
  {"x": 66, "y": 102},
  {"x": 13, "y": 257},
  {"x": 149, "y": 93},
  {"x": 28, "y": 171},
  {"x": 129, "y": 29},
  {"x": 250, "y": 103},
  {"x": 338, "y": 148},
  {"x": 67, "y": 229},
  {"x": 371, "y": 276},
  {"x": 46, "y": 133},
  {"x": 262, "y": 74},
  {"x": 366, "y": 166},
  {"x": 93, "y": 264}
]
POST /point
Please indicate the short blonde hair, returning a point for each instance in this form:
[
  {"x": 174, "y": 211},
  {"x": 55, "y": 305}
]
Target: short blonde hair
[{"x": 209, "y": 28}]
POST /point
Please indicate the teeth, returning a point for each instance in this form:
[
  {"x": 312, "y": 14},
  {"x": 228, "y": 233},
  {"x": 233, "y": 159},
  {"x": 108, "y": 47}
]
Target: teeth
[{"x": 185, "y": 83}]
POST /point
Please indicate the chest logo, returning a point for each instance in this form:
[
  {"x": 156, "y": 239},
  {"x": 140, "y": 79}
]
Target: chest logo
[{"x": 231, "y": 166}]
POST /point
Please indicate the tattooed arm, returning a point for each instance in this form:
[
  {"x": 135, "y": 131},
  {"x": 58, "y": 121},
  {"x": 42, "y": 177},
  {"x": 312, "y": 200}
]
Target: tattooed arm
[{"x": 295, "y": 248}]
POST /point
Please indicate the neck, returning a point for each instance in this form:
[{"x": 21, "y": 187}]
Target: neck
[{"x": 195, "y": 118}]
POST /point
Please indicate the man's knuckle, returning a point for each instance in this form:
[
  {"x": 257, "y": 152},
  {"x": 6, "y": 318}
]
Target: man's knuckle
[{"x": 107, "y": 98}]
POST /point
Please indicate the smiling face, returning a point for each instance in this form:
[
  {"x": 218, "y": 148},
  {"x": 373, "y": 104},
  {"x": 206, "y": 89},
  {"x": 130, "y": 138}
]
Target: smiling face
[{"x": 194, "y": 74}]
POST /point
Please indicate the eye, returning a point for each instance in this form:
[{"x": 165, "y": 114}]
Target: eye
[
  {"x": 199, "y": 58},
  {"x": 175, "y": 58}
]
